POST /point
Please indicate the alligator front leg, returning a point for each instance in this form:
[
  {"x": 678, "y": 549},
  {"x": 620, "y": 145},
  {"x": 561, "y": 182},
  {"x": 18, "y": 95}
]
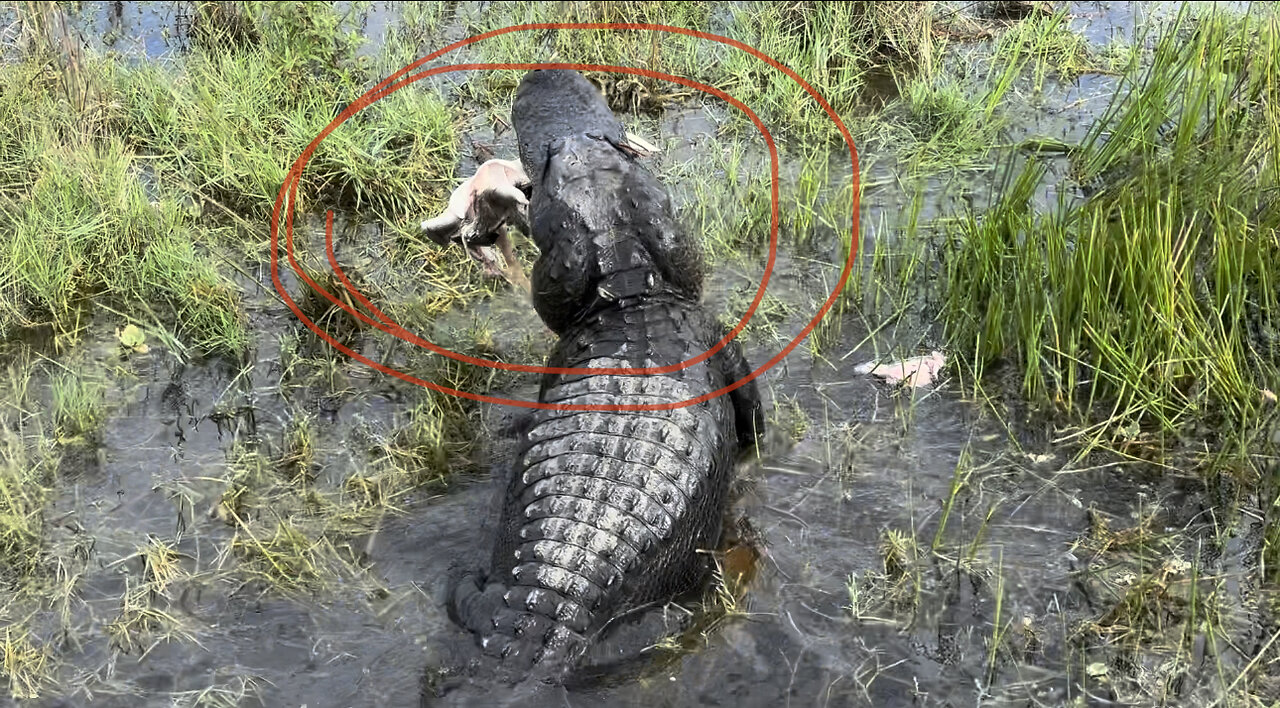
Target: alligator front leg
[{"x": 748, "y": 411}]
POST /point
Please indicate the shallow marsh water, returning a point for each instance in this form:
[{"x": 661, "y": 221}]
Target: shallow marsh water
[{"x": 992, "y": 618}]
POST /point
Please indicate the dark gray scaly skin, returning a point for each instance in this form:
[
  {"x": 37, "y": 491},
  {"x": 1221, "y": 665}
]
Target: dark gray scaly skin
[{"x": 605, "y": 511}]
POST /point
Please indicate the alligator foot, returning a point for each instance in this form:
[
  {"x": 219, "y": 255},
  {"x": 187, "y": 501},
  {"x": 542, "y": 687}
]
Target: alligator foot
[{"x": 632, "y": 647}]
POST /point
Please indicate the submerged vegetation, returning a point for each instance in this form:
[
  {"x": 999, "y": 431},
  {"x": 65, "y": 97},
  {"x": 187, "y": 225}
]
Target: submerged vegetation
[{"x": 1107, "y": 296}]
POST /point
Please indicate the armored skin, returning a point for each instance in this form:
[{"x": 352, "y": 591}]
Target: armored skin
[{"x": 606, "y": 510}]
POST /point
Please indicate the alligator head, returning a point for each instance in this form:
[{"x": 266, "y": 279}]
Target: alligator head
[{"x": 604, "y": 225}]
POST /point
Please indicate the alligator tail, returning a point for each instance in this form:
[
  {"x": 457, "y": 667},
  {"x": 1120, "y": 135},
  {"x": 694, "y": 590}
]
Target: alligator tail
[{"x": 523, "y": 626}]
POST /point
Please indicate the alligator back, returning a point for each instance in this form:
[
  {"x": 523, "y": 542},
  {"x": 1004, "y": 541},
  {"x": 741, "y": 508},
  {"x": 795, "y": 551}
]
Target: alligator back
[{"x": 607, "y": 510}]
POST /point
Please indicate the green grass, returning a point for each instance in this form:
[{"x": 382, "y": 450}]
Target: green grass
[
  {"x": 118, "y": 199},
  {"x": 725, "y": 203},
  {"x": 425, "y": 450},
  {"x": 78, "y": 409},
  {"x": 830, "y": 45},
  {"x": 230, "y": 122},
  {"x": 1050, "y": 48},
  {"x": 31, "y": 569},
  {"x": 87, "y": 229},
  {"x": 1148, "y": 305},
  {"x": 27, "y": 465}
]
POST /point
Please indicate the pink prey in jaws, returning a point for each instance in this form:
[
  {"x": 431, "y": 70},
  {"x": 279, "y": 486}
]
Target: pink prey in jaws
[{"x": 479, "y": 213}]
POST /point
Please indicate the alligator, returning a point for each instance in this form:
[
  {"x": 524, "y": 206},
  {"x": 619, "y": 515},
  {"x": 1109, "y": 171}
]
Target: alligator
[{"x": 606, "y": 511}]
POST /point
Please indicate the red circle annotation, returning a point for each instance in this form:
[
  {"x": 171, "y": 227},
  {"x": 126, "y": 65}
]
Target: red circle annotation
[{"x": 288, "y": 193}]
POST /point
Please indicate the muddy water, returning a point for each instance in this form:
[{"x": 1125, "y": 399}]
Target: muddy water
[{"x": 845, "y": 460}]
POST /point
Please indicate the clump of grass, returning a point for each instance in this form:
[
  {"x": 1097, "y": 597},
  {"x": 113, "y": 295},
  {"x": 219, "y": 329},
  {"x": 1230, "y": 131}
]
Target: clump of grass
[
  {"x": 892, "y": 276},
  {"x": 78, "y": 410},
  {"x": 87, "y": 229},
  {"x": 809, "y": 187},
  {"x": 241, "y": 690},
  {"x": 204, "y": 303},
  {"x": 420, "y": 446},
  {"x": 248, "y": 481},
  {"x": 161, "y": 566},
  {"x": 33, "y": 115},
  {"x": 46, "y": 32},
  {"x": 950, "y": 121},
  {"x": 290, "y": 536},
  {"x": 831, "y": 45},
  {"x": 1049, "y": 46},
  {"x": 660, "y": 51},
  {"x": 426, "y": 451},
  {"x": 725, "y": 204},
  {"x": 763, "y": 325},
  {"x": 626, "y": 47},
  {"x": 284, "y": 556},
  {"x": 339, "y": 323},
  {"x": 223, "y": 24},
  {"x": 89, "y": 220},
  {"x": 1144, "y": 307},
  {"x": 28, "y": 462},
  {"x": 84, "y": 214},
  {"x": 25, "y": 665},
  {"x": 143, "y": 622},
  {"x": 843, "y": 443},
  {"x": 789, "y": 416},
  {"x": 298, "y": 460},
  {"x": 232, "y": 121},
  {"x": 1152, "y": 596},
  {"x": 941, "y": 109},
  {"x": 900, "y": 581}
]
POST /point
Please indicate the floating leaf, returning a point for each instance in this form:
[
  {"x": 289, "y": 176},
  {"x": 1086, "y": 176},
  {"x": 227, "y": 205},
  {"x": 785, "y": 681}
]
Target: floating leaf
[{"x": 132, "y": 338}]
